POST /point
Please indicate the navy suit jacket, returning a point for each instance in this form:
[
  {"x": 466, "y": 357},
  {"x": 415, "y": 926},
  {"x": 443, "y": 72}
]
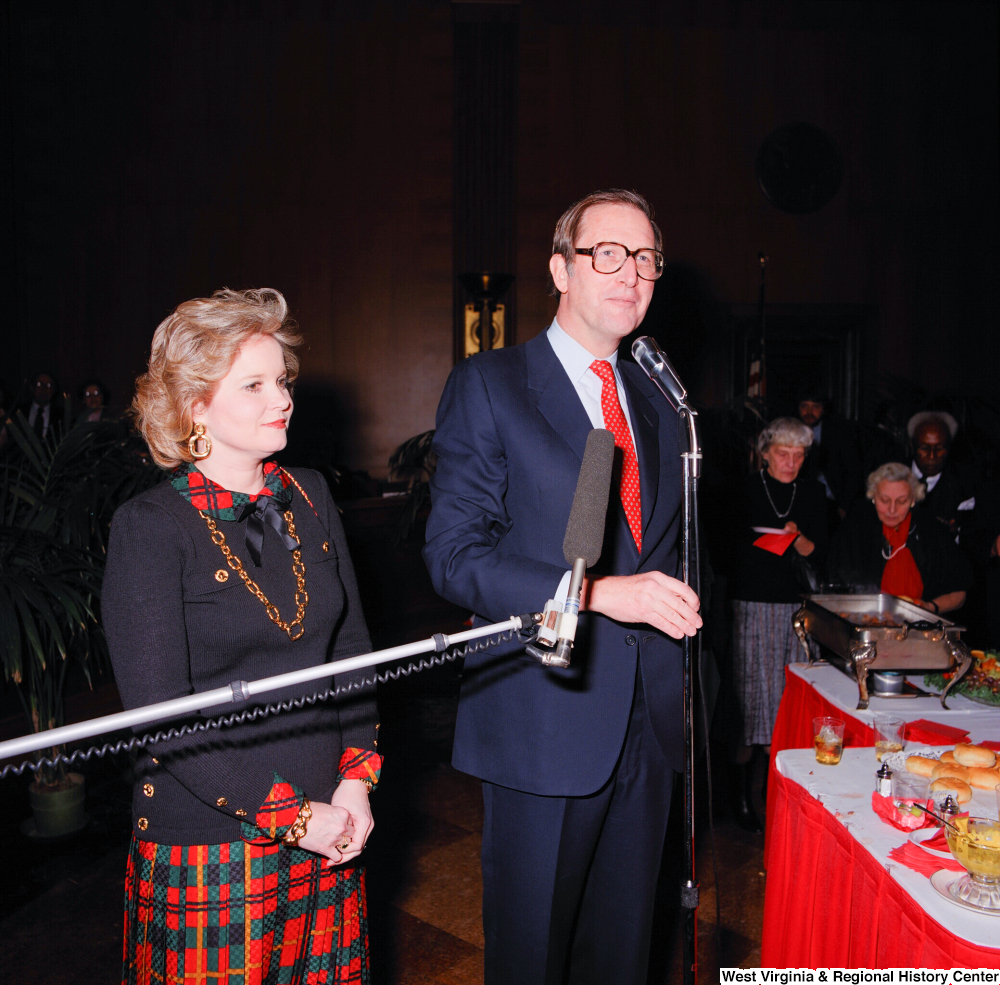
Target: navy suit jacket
[{"x": 511, "y": 432}]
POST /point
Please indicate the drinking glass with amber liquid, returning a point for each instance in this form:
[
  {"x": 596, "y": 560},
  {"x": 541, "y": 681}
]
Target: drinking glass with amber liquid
[
  {"x": 889, "y": 735},
  {"x": 828, "y": 737}
]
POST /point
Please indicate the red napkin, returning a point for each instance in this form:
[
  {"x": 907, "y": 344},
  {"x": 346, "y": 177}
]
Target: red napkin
[
  {"x": 923, "y": 862},
  {"x": 990, "y": 744},
  {"x": 886, "y": 810},
  {"x": 775, "y": 543},
  {"x": 934, "y": 733},
  {"x": 938, "y": 842}
]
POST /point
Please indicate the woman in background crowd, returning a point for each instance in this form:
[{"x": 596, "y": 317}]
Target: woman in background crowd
[
  {"x": 768, "y": 585},
  {"x": 884, "y": 546}
]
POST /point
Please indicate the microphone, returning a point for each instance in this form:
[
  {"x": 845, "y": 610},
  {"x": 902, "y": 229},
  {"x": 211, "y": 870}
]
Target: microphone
[
  {"x": 657, "y": 367},
  {"x": 581, "y": 546}
]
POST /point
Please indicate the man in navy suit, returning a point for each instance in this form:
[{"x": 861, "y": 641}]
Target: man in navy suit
[{"x": 577, "y": 764}]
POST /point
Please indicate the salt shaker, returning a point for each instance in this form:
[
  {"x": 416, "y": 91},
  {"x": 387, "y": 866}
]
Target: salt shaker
[{"x": 883, "y": 781}]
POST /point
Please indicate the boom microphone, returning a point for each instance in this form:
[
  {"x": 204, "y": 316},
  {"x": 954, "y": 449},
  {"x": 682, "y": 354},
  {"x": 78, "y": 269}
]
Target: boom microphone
[
  {"x": 583, "y": 540},
  {"x": 585, "y": 530},
  {"x": 654, "y": 362}
]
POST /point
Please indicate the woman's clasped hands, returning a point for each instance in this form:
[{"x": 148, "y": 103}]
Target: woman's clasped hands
[{"x": 340, "y": 829}]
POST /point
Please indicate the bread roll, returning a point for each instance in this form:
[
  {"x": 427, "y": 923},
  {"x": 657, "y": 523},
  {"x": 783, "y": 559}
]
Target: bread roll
[
  {"x": 961, "y": 789},
  {"x": 948, "y": 756},
  {"x": 967, "y": 755},
  {"x": 920, "y": 765},
  {"x": 983, "y": 778},
  {"x": 950, "y": 769}
]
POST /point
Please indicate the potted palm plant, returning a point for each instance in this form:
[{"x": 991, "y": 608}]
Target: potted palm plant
[{"x": 56, "y": 499}]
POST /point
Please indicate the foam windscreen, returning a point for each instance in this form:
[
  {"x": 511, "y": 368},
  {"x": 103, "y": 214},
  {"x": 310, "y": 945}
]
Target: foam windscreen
[{"x": 585, "y": 530}]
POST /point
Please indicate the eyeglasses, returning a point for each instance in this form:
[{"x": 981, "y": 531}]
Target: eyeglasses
[{"x": 609, "y": 258}]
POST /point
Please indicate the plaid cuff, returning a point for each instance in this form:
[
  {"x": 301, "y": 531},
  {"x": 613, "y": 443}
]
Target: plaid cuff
[
  {"x": 360, "y": 764},
  {"x": 276, "y": 815}
]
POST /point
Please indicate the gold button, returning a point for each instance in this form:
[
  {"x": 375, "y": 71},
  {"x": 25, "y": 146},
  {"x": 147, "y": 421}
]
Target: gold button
[
  {"x": 240, "y": 812},
  {"x": 222, "y": 575},
  {"x": 142, "y": 824},
  {"x": 155, "y": 760},
  {"x": 147, "y": 789},
  {"x": 221, "y": 802},
  {"x": 326, "y": 547}
]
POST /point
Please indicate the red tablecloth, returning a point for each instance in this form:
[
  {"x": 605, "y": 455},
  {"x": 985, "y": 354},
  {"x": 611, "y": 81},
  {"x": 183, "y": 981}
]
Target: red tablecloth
[
  {"x": 800, "y": 704},
  {"x": 830, "y": 904}
]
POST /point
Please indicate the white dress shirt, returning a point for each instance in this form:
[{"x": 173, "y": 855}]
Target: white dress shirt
[
  {"x": 576, "y": 360},
  {"x": 930, "y": 480}
]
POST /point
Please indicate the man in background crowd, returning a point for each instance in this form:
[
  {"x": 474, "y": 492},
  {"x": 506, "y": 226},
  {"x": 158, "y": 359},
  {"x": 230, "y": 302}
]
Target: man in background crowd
[
  {"x": 833, "y": 458},
  {"x": 45, "y": 409},
  {"x": 950, "y": 493}
]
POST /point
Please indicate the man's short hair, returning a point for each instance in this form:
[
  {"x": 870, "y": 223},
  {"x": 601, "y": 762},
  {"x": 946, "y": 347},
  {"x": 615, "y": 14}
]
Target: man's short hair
[
  {"x": 813, "y": 395},
  {"x": 563, "y": 241},
  {"x": 941, "y": 418}
]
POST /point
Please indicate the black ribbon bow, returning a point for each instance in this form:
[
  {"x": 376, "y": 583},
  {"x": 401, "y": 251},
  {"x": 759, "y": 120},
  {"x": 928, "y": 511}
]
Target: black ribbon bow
[{"x": 264, "y": 510}]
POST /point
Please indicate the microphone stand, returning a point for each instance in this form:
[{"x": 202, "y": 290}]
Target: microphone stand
[
  {"x": 656, "y": 365},
  {"x": 691, "y": 650}
]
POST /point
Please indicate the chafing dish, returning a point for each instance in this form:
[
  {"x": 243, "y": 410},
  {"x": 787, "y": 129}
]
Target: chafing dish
[{"x": 882, "y": 632}]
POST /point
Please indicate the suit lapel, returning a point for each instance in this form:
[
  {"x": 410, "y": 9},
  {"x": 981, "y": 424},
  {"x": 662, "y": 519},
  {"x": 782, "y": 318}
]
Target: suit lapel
[
  {"x": 646, "y": 430},
  {"x": 556, "y": 397}
]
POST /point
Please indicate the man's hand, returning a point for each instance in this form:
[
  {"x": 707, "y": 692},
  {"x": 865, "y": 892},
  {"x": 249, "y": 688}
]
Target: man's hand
[{"x": 652, "y": 598}]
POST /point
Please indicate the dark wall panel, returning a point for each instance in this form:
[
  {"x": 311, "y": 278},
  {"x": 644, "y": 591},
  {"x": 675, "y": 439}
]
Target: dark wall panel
[{"x": 154, "y": 152}]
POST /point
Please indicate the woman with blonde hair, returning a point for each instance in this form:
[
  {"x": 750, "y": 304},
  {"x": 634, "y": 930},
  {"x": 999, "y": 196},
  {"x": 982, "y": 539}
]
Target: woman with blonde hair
[{"x": 243, "y": 865}]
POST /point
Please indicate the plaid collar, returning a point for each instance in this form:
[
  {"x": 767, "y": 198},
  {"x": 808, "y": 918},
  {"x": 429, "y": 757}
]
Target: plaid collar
[{"x": 221, "y": 504}]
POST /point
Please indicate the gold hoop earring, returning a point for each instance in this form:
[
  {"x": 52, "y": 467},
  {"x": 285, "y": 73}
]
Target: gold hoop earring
[{"x": 198, "y": 434}]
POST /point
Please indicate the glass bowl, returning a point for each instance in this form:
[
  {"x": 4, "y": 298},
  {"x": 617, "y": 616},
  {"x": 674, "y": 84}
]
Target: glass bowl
[{"x": 976, "y": 846}]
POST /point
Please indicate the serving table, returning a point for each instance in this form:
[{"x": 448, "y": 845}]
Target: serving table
[
  {"x": 834, "y": 898},
  {"x": 822, "y": 689}
]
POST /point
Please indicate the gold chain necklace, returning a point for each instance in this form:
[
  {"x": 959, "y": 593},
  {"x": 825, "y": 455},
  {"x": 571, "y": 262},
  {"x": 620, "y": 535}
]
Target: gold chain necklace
[{"x": 293, "y": 628}]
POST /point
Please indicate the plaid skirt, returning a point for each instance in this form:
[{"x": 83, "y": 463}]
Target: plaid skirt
[{"x": 239, "y": 914}]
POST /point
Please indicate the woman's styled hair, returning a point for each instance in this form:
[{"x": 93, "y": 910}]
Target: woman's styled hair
[
  {"x": 563, "y": 241},
  {"x": 894, "y": 472},
  {"x": 785, "y": 431},
  {"x": 193, "y": 349}
]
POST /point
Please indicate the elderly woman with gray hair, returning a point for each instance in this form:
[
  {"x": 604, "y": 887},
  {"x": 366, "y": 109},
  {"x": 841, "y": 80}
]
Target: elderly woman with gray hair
[
  {"x": 893, "y": 549},
  {"x": 778, "y": 503}
]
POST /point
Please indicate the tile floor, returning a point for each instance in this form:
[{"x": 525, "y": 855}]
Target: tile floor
[{"x": 60, "y": 921}]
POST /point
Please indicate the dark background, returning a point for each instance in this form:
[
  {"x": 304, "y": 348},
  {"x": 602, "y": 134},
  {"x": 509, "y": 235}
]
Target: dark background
[{"x": 357, "y": 155}]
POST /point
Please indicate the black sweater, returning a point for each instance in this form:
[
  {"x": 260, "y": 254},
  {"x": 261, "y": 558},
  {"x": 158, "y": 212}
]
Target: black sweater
[
  {"x": 857, "y": 558},
  {"x": 174, "y": 628},
  {"x": 760, "y": 575}
]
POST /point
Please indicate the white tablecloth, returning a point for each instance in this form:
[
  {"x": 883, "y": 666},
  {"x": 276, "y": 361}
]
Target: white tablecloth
[
  {"x": 980, "y": 721},
  {"x": 846, "y": 792}
]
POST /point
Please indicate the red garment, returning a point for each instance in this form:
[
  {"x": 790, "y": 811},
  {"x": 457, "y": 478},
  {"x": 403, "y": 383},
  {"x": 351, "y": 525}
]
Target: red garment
[
  {"x": 614, "y": 421},
  {"x": 901, "y": 576},
  {"x": 239, "y": 914}
]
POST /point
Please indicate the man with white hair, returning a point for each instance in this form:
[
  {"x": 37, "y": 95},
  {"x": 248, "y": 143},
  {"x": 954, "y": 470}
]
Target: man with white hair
[{"x": 949, "y": 493}]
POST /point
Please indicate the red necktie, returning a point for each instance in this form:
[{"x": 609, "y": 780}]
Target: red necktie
[{"x": 614, "y": 421}]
